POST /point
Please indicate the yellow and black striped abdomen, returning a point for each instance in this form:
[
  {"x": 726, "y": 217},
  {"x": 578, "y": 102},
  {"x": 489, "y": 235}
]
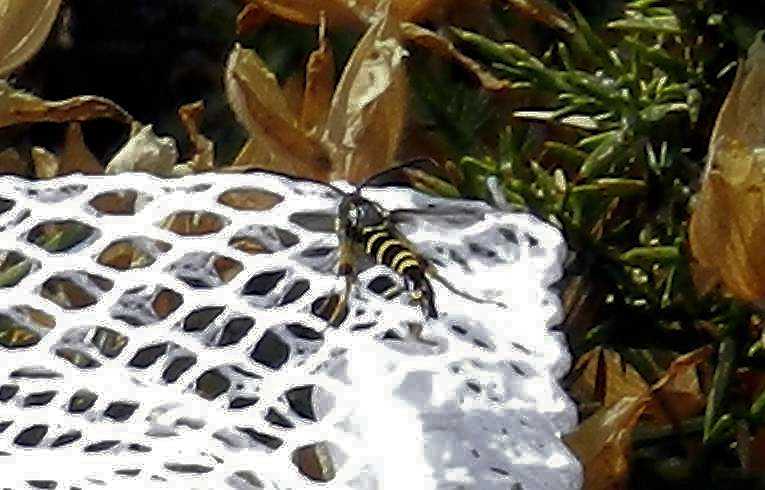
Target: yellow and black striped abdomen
[
  {"x": 386, "y": 249},
  {"x": 382, "y": 244}
]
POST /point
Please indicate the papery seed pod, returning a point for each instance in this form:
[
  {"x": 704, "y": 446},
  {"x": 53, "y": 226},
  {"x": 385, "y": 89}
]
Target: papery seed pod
[{"x": 728, "y": 222}]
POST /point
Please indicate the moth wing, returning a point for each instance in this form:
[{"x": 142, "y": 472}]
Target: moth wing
[
  {"x": 445, "y": 216},
  {"x": 323, "y": 254},
  {"x": 461, "y": 236}
]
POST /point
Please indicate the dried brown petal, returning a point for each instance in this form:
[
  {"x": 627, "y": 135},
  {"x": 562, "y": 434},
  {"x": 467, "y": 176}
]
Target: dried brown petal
[
  {"x": 705, "y": 279},
  {"x": 319, "y": 85},
  {"x": 414, "y": 10},
  {"x": 276, "y": 142},
  {"x": 678, "y": 395},
  {"x": 544, "y": 12},
  {"x": 46, "y": 163},
  {"x": 204, "y": 153},
  {"x": 293, "y": 91},
  {"x": 252, "y": 88},
  {"x": 76, "y": 157},
  {"x": 602, "y": 376},
  {"x": 250, "y": 18},
  {"x": 728, "y": 223},
  {"x": 310, "y": 12},
  {"x": 366, "y": 119},
  {"x": 18, "y": 107},
  {"x": 602, "y": 443},
  {"x": 741, "y": 115},
  {"x": 11, "y": 163},
  {"x": 145, "y": 152},
  {"x": 24, "y": 26},
  {"x": 444, "y": 47},
  {"x": 726, "y": 232},
  {"x": 345, "y": 12}
]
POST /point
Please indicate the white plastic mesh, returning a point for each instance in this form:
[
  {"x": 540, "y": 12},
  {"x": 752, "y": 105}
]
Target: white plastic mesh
[{"x": 203, "y": 364}]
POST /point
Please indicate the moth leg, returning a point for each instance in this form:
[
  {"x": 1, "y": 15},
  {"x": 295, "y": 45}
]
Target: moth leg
[
  {"x": 416, "y": 330},
  {"x": 392, "y": 292},
  {"x": 343, "y": 302},
  {"x": 345, "y": 268},
  {"x": 451, "y": 287}
]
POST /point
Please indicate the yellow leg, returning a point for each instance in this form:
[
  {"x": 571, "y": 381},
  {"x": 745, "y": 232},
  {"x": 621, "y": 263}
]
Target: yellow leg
[
  {"x": 342, "y": 303},
  {"x": 344, "y": 268},
  {"x": 392, "y": 292}
]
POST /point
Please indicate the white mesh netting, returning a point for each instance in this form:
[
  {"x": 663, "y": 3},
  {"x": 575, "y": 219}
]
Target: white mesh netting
[{"x": 169, "y": 334}]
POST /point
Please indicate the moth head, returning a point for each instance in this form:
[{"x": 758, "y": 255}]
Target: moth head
[{"x": 355, "y": 212}]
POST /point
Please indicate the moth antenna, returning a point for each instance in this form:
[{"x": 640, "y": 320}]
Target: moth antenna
[
  {"x": 293, "y": 177},
  {"x": 409, "y": 163}
]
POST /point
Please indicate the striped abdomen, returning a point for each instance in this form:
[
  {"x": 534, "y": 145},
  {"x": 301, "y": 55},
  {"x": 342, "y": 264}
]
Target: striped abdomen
[{"x": 381, "y": 244}]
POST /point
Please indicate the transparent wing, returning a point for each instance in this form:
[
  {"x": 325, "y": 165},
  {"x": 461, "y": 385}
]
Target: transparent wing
[
  {"x": 315, "y": 221},
  {"x": 322, "y": 256},
  {"x": 462, "y": 235},
  {"x": 454, "y": 216}
]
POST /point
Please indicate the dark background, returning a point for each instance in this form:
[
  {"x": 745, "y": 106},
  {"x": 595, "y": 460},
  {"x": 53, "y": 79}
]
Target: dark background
[
  {"x": 149, "y": 56},
  {"x": 152, "y": 56}
]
